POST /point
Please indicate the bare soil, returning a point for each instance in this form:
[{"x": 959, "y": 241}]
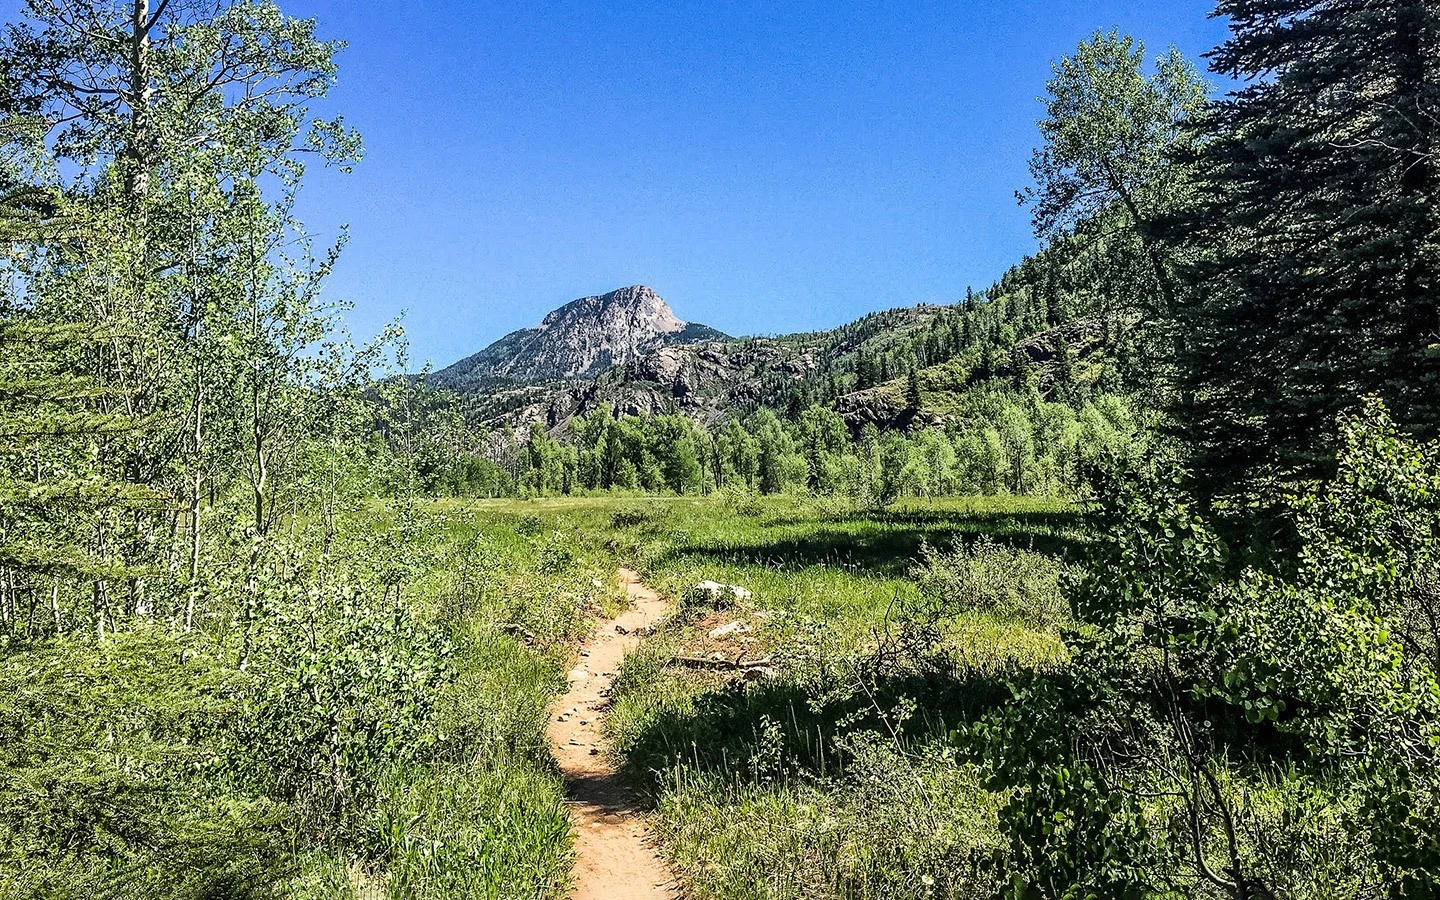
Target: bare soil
[{"x": 615, "y": 855}]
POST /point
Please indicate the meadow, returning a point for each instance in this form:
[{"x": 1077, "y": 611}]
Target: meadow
[
  {"x": 383, "y": 733},
  {"x": 829, "y": 770}
]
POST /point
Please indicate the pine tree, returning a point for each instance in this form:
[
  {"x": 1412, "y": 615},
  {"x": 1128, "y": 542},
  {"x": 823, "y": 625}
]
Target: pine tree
[
  {"x": 1020, "y": 366},
  {"x": 1317, "y": 281},
  {"x": 865, "y": 372},
  {"x": 1065, "y": 388},
  {"x": 912, "y": 392},
  {"x": 64, "y": 489}
]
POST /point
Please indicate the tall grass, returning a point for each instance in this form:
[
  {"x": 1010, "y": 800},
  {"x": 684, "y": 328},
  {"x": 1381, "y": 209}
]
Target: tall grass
[{"x": 833, "y": 776}]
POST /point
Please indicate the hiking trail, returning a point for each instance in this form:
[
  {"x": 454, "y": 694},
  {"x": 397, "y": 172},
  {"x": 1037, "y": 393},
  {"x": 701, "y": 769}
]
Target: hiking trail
[{"x": 615, "y": 855}]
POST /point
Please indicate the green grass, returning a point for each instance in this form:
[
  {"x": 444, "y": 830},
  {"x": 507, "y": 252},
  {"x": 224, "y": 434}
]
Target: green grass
[{"x": 834, "y": 776}]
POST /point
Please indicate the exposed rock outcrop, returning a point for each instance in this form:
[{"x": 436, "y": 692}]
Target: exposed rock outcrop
[{"x": 579, "y": 340}]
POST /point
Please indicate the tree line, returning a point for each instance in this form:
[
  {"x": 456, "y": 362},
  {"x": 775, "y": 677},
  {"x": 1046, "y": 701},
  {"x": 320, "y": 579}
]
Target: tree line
[{"x": 1000, "y": 441}]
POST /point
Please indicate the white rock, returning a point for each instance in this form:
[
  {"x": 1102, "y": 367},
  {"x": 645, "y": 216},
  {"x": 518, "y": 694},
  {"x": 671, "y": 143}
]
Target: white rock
[
  {"x": 716, "y": 592},
  {"x": 732, "y": 628}
]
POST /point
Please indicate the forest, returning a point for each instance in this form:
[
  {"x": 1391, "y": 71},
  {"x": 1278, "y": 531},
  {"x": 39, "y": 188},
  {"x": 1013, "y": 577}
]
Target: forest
[{"x": 1134, "y": 592}]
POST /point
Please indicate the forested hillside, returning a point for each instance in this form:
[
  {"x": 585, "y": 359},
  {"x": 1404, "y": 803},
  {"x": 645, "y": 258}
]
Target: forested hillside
[
  {"x": 1011, "y": 389},
  {"x": 1073, "y": 303}
]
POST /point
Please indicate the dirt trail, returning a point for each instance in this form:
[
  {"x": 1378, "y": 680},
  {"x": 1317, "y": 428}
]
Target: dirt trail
[{"x": 615, "y": 856}]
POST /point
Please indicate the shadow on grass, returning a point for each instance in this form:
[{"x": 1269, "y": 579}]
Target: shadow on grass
[
  {"x": 886, "y": 542},
  {"x": 726, "y": 728}
]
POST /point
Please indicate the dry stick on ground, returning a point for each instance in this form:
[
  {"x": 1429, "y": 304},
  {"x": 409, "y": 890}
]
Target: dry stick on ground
[{"x": 712, "y": 662}]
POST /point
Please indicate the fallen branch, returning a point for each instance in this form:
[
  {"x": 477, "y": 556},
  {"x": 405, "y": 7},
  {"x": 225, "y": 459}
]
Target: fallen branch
[{"x": 720, "y": 663}]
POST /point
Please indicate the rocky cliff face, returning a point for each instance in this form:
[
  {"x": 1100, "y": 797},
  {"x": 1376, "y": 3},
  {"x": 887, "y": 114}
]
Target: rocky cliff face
[
  {"x": 579, "y": 340},
  {"x": 698, "y": 372}
]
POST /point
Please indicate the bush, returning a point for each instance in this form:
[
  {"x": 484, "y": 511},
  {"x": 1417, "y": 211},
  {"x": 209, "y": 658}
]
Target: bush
[
  {"x": 342, "y": 686},
  {"x": 989, "y": 577},
  {"x": 640, "y": 514},
  {"x": 1273, "y": 733},
  {"x": 742, "y": 501}
]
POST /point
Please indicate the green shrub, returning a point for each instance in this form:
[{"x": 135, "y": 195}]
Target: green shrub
[
  {"x": 640, "y": 515},
  {"x": 985, "y": 576},
  {"x": 1267, "y": 734},
  {"x": 342, "y": 686}
]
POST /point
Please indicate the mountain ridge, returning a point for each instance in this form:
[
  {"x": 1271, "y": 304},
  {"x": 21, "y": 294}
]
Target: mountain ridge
[
  {"x": 1034, "y": 330},
  {"x": 579, "y": 340}
]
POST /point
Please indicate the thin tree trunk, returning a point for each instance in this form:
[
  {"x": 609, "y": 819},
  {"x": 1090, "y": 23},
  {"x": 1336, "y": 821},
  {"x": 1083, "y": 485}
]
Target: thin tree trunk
[
  {"x": 102, "y": 603},
  {"x": 137, "y": 176},
  {"x": 7, "y": 589},
  {"x": 195, "y": 485},
  {"x": 194, "y": 574}
]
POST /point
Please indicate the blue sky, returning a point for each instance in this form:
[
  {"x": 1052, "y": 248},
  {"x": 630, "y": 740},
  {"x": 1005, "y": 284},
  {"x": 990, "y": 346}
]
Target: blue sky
[{"x": 765, "y": 166}]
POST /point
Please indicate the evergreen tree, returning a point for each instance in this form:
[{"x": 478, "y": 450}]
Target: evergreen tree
[
  {"x": 866, "y": 372},
  {"x": 1065, "y": 388},
  {"x": 913, "y": 399},
  {"x": 66, "y": 494},
  {"x": 1318, "y": 273},
  {"x": 1020, "y": 366}
]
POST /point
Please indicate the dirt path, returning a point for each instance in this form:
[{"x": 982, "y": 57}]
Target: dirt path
[{"x": 615, "y": 857}]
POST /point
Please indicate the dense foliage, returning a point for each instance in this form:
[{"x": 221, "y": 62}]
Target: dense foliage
[
  {"x": 222, "y": 673},
  {"x": 1309, "y": 246},
  {"x": 1001, "y": 441},
  {"x": 1240, "y": 734}
]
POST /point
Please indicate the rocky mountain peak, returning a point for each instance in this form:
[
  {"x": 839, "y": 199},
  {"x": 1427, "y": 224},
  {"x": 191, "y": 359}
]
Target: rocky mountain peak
[
  {"x": 636, "y": 308},
  {"x": 581, "y": 339}
]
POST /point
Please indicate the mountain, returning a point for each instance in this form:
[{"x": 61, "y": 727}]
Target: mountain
[
  {"x": 581, "y": 339},
  {"x": 1056, "y": 324},
  {"x": 710, "y": 380}
]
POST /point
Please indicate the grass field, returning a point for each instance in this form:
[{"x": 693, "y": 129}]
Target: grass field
[
  {"x": 395, "y": 747},
  {"x": 829, "y": 772}
]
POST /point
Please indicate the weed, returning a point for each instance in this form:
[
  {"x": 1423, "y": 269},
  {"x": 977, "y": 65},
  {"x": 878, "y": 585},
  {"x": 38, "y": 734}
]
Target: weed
[{"x": 640, "y": 514}]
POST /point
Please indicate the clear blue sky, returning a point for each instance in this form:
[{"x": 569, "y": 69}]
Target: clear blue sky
[{"x": 765, "y": 166}]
